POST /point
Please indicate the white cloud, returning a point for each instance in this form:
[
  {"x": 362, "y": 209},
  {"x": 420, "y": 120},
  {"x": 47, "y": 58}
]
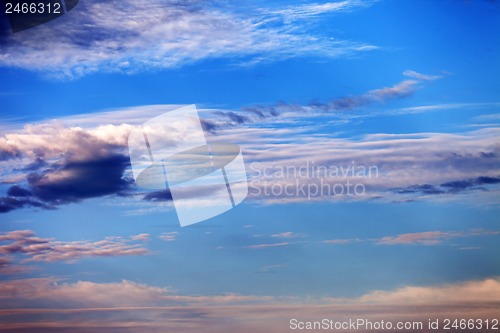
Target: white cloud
[
  {"x": 340, "y": 241},
  {"x": 130, "y": 36},
  {"x": 420, "y": 76},
  {"x": 266, "y": 246},
  {"x": 169, "y": 236},
  {"x": 314, "y": 9},
  {"x": 288, "y": 234}
]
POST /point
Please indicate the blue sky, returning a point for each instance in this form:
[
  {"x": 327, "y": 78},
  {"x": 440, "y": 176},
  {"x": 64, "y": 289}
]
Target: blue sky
[{"x": 409, "y": 87}]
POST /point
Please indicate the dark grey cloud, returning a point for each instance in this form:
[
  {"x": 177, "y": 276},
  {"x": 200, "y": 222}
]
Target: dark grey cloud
[
  {"x": 164, "y": 195},
  {"x": 9, "y": 154},
  {"x": 17, "y": 191},
  {"x": 462, "y": 185},
  {"x": 209, "y": 125},
  {"x": 424, "y": 189},
  {"x": 233, "y": 116},
  {"x": 37, "y": 164},
  {"x": 77, "y": 180},
  {"x": 8, "y": 204},
  {"x": 69, "y": 181},
  {"x": 254, "y": 113},
  {"x": 452, "y": 187}
]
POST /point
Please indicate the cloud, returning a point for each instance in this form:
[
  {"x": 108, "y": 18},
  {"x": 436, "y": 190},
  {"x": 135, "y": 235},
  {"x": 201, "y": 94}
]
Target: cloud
[
  {"x": 266, "y": 246},
  {"x": 314, "y": 9},
  {"x": 17, "y": 191},
  {"x": 341, "y": 241},
  {"x": 37, "y": 249},
  {"x": 417, "y": 238},
  {"x": 456, "y": 186},
  {"x": 400, "y": 90},
  {"x": 144, "y": 35},
  {"x": 271, "y": 268},
  {"x": 432, "y": 237},
  {"x": 77, "y": 180},
  {"x": 53, "y": 139},
  {"x": 8, "y": 204},
  {"x": 8, "y": 267},
  {"x": 403, "y": 89},
  {"x": 419, "y": 76},
  {"x": 69, "y": 181},
  {"x": 468, "y": 292},
  {"x": 424, "y": 238},
  {"x": 44, "y": 304},
  {"x": 287, "y": 235},
  {"x": 169, "y": 236},
  {"x": 140, "y": 237},
  {"x": 403, "y": 166}
]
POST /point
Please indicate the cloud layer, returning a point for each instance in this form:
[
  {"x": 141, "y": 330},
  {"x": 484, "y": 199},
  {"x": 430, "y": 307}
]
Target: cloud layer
[
  {"x": 54, "y": 163},
  {"x": 39, "y": 305}
]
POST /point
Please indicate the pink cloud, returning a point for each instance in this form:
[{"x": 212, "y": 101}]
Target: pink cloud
[
  {"x": 433, "y": 237},
  {"x": 34, "y": 248},
  {"x": 33, "y": 305}
]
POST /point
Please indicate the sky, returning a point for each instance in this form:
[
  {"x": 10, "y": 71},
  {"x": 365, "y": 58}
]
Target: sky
[{"x": 370, "y": 134}]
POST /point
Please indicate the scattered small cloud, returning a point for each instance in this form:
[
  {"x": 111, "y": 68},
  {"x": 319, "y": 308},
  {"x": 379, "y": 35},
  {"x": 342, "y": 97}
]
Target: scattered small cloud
[
  {"x": 140, "y": 237},
  {"x": 271, "y": 268},
  {"x": 315, "y": 9},
  {"x": 433, "y": 237},
  {"x": 266, "y": 246},
  {"x": 419, "y": 76},
  {"x": 288, "y": 235},
  {"x": 169, "y": 236},
  {"x": 37, "y": 249},
  {"x": 341, "y": 241}
]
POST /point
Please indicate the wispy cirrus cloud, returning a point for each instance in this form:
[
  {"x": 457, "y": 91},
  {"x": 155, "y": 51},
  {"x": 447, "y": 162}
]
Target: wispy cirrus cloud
[
  {"x": 400, "y": 90},
  {"x": 420, "y": 76},
  {"x": 315, "y": 9},
  {"x": 288, "y": 235},
  {"x": 341, "y": 241},
  {"x": 141, "y": 35},
  {"x": 266, "y": 245}
]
